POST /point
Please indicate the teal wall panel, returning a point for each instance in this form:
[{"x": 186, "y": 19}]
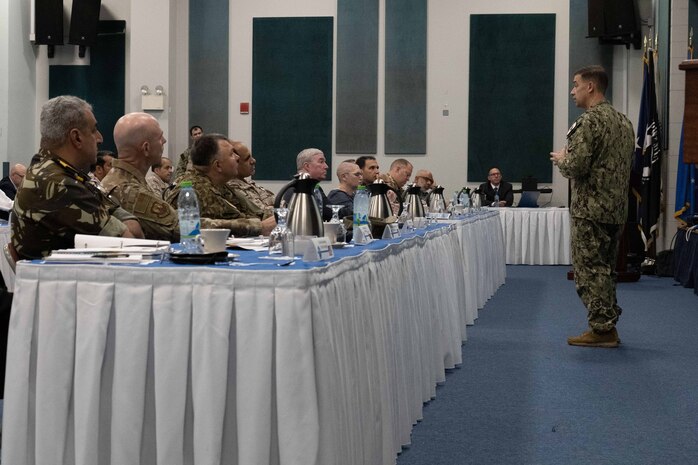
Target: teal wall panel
[
  {"x": 357, "y": 76},
  {"x": 291, "y": 91},
  {"x": 208, "y": 65},
  {"x": 102, "y": 83},
  {"x": 511, "y": 93},
  {"x": 405, "y": 76}
]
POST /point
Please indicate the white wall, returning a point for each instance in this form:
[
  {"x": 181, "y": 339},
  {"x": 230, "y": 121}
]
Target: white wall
[
  {"x": 148, "y": 50},
  {"x": 17, "y": 83}
]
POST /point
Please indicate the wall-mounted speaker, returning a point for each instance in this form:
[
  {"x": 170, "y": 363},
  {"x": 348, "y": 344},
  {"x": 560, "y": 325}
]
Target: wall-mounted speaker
[
  {"x": 597, "y": 27},
  {"x": 614, "y": 21},
  {"x": 621, "y": 18},
  {"x": 48, "y": 22},
  {"x": 84, "y": 19}
]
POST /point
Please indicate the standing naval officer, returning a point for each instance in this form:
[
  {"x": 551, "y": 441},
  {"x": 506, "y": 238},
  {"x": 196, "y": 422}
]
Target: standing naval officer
[{"x": 598, "y": 156}]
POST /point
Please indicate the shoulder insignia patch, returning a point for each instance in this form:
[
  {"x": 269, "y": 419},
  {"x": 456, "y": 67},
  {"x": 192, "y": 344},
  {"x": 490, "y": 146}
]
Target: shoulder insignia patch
[{"x": 160, "y": 209}]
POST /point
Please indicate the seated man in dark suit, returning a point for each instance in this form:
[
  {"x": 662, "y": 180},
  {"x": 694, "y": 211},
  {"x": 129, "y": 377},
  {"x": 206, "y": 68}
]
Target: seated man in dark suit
[
  {"x": 496, "y": 187},
  {"x": 10, "y": 184}
]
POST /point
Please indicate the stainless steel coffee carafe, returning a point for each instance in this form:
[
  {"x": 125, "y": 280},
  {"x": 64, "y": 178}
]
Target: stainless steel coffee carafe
[
  {"x": 414, "y": 202},
  {"x": 304, "y": 218},
  {"x": 475, "y": 199},
  {"x": 433, "y": 200},
  {"x": 379, "y": 205}
]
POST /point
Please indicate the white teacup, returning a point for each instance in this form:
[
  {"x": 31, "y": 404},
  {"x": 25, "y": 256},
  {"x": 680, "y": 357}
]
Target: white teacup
[{"x": 214, "y": 239}]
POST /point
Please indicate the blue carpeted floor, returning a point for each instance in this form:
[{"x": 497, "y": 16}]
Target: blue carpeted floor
[{"x": 523, "y": 396}]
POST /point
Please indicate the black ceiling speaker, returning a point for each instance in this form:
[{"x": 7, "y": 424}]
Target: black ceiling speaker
[
  {"x": 48, "y": 23},
  {"x": 84, "y": 20},
  {"x": 614, "y": 22}
]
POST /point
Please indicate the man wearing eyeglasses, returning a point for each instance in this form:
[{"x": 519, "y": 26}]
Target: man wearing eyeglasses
[
  {"x": 425, "y": 180},
  {"x": 495, "y": 187}
]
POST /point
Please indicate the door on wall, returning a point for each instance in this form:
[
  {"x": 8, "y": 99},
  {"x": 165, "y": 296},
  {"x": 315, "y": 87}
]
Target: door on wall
[{"x": 102, "y": 82}]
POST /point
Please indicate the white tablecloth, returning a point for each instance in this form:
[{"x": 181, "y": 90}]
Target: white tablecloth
[
  {"x": 536, "y": 236},
  {"x": 190, "y": 365}
]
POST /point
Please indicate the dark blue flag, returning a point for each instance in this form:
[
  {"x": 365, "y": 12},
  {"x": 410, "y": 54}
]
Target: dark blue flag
[
  {"x": 686, "y": 193},
  {"x": 646, "y": 177},
  {"x": 685, "y": 188}
]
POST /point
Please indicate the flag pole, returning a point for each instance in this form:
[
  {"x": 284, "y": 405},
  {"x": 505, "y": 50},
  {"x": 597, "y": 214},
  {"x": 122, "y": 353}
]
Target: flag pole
[{"x": 692, "y": 168}]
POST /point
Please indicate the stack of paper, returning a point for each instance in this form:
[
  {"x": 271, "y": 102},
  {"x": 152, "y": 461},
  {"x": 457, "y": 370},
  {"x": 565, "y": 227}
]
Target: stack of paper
[
  {"x": 258, "y": 244},
  {"x": 84, "y": 241}
]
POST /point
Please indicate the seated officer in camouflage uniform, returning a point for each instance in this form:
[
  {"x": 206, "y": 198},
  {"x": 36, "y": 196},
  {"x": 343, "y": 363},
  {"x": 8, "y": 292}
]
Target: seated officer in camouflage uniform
[
  {"x": 598, "y": 156},
  {"x": 57, "y": 200},
  {"x": 139, "y": 142},
  {"x": 159, "y": 176},
  {"x": 254, "y": 200},
  {"x": 184, "y": 163},
  {"x": 215, "y": 163},
  {"x": 400, "y": 172}
]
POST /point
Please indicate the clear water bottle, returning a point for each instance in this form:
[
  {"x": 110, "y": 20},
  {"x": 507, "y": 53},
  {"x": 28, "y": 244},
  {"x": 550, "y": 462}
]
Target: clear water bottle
[
  {"x": 189, "y": 219},
  {"x": 361, "y": 204},
  {"x": 318, "y": 197},
  {"x": 496, "y": 199}
]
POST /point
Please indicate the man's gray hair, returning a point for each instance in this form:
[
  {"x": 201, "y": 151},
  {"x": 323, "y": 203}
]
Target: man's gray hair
[
  {"x": 306, "y": 156},
  {"x": 399, "y": 163},
  {"x": 58, "y": 116}
]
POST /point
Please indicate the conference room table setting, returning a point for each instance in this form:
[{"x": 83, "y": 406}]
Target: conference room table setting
[{"x": 242, "y": 361}]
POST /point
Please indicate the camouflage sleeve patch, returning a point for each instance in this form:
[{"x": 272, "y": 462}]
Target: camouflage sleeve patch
[{"x": 158, "y": 219}]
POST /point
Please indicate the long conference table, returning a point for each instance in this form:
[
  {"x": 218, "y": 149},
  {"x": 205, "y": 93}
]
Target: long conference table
[
  {"x": 536, "y": 236},
  {"x": 314, "y": 363}
]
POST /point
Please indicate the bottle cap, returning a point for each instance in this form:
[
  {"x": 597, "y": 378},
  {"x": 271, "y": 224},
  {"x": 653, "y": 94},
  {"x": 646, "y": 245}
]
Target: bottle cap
[
  {"x": 184, "y": 184},
  {"x": 361, "y": 187}
]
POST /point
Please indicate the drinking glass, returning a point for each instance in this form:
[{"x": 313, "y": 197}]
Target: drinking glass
[
  {"x": 341, "y": 230},
  {"x": 281, "y": 237},
  {"x": 404, "y": 216}
]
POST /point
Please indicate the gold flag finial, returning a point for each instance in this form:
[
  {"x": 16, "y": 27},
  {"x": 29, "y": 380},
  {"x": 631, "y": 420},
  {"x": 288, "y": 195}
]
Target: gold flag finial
[{"x": 656, "y": 42}]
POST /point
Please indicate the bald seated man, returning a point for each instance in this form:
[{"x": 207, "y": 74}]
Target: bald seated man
[
  {"x": 140, "y": 142},
  {"x": 254, "y": 199},
  {"x": 10, "y": 184},
  {"x": 350, "y": 177}
]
